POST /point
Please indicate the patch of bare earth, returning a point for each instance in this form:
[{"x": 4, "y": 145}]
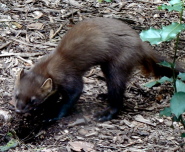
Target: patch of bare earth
[{"x": 31, "y": 28}]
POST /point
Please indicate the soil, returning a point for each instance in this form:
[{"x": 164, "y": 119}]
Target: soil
[{"x": 33, "y": 28}]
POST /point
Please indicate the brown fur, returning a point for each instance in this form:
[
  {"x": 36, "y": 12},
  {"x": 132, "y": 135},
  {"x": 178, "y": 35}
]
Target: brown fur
[{"x": 101, "y": 41}]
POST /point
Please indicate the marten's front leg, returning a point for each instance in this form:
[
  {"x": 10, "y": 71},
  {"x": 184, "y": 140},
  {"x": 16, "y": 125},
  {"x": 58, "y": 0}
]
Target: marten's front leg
[{"x": 71, "y": 92}]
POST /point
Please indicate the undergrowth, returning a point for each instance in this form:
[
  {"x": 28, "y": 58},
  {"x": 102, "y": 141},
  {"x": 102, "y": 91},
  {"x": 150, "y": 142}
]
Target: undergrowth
[{"x": 168, "y": 33}]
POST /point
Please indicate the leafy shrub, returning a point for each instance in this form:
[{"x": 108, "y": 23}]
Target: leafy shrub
[{"x": 167, "y": 33}]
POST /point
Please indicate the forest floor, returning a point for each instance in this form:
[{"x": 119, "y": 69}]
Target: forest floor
[{"x": 30, "y": 29}]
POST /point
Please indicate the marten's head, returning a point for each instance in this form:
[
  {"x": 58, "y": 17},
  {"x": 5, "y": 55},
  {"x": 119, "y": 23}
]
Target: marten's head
[{"x": 31, "y": 90}]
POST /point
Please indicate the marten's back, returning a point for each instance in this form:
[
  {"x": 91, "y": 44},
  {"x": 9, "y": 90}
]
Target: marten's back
[{"x": 100, "y": 40}]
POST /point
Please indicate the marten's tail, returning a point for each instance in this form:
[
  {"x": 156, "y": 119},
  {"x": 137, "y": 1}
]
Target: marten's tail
[{"x": 150, "y": 66}]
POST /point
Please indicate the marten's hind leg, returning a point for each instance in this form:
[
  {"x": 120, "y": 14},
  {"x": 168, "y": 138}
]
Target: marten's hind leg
[{"x": 116, "y": 79}]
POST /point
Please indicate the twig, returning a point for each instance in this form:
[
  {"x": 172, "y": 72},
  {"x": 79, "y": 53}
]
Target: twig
[
  {"x": 74, "y": 11},
  {"x": 28, "y": 44},
  {"x": 27, "y": 61},
  {"x": 58, "y": 30},
  {"x": 21, "y": 54},
  {"x": 4, "y": 45},
  {"x": 143, "y": 1},
  {"x": 34, "y": 45},
  {"x": 36, "y": 9}
]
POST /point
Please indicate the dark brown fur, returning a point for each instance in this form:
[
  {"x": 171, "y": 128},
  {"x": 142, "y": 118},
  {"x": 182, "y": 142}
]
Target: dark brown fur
[{"x": 101, "y": 41}]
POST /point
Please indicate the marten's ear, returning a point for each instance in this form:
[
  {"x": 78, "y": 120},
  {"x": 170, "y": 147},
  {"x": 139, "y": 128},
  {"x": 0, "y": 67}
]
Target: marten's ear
[
  {"x": 20, "y": 74},
  {"x": 47, "y": 86}
]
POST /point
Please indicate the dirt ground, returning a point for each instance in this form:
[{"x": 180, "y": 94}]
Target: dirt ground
[{"x": 30, "y": 29}]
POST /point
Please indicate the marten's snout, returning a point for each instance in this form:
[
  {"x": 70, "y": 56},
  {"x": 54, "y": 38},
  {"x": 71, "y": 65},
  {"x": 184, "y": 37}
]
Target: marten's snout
[{"x": 20, "y": 107}]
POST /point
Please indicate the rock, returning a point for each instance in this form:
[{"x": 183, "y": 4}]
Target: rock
[
  {"x": 4, "y": 116},
  {"x": 83, "y": 132}
]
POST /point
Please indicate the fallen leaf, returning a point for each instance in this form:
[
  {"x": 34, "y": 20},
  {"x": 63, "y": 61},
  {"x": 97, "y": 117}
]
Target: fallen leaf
[
  {"x": 79, "y": 146},
  {"x": 37, "y": 14},
  {"x": 17, "y": 25},
  {"x": 36, "y": 26},
  {"x": 143, "y": 120}
]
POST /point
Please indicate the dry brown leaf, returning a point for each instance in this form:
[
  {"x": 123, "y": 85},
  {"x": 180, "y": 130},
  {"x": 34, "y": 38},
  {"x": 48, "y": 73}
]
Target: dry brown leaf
[
  {"x": 79, "y": 145},
  {"x": 51, "y": 34},
  {"x": 143, "y": 120},
  {"x": 36, "y": 26},
  {"x": 17, "y": 25}
]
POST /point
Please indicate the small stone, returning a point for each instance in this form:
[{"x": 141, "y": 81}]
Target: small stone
[
  {"x": 66, "y": 131},
  {"x": 83, "y": 132}
]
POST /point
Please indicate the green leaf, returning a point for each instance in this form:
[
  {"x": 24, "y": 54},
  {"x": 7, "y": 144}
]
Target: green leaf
[
  {"x": 11, "y": 144},
  {"x": 167, "y": 33},
  {"x": 152, "y": 35},
  {"x": 165, "y": 79},
  {"x": 108, "y": 0},
  {"x": 170, "y": 32},
  {"x": 181, "y": 76},
  {"x": 180, "y": 86},
  {"x": 166, "y": 64},
  {"x": 183, "y": 135},
  {"x": 177, "y": 104},
  {"x": 175, "y": 5},
  {"x": 150, "y": 84},
  {"x": 159, "y": 7},
  {"x": 175, "y": 119},
  {"x": 173, "y": 2},
  {"x": 161, "y": 81},
  {"x": 165, "y": 112}
]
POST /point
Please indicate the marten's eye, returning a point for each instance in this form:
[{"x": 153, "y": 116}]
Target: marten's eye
[{"x": 16, "y": 97}]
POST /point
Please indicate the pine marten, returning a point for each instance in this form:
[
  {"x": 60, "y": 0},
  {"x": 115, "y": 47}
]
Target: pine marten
[{"x": 107, "y": 42}]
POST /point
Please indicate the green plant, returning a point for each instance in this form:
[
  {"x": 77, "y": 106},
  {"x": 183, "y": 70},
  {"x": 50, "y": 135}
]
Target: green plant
[
  {"x": 12, "y": 142},
  {"x": 167, "y": 33},
  {"x": 100, "y": 1}
]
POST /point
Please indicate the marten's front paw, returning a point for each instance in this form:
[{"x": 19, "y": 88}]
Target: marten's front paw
[{"x": 106, "y": 115}]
